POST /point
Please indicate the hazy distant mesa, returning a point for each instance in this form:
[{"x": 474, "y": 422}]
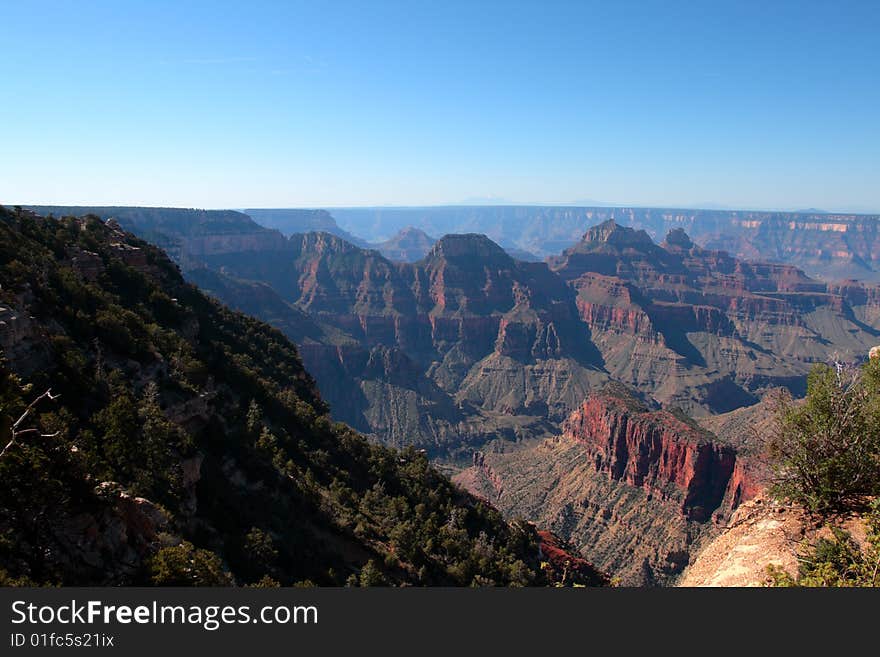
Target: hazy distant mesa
[{"x": 824, "y": 245}]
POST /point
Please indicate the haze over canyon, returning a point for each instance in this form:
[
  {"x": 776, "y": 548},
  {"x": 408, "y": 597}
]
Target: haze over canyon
[{"x": 572, "y": 366}]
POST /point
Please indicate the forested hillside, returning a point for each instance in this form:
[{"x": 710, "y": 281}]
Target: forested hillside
[{"x": 155, "y": 436}]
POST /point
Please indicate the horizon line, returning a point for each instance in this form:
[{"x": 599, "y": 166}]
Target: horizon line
[{"x": 504, "y": 204}]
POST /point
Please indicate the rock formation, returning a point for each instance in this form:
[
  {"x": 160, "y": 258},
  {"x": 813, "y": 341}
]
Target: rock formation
[
  {"x": 827, "y": 245},
  {"x": 408, "y": 245},
  {"x": 468, "y": 343},
  {"x": 637, "y": 491},
  {"x": 761, "y": 533},
  {"x": 431, "y": 353},
  {"x": 180, "y": 433},
  {"x": 702, "y": 330}
]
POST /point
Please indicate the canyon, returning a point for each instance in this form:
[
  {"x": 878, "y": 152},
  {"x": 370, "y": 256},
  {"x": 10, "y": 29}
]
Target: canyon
[
  {"x": 826, "y": 245},
  {"x": 469, "y": 343},
  {"x": 160, "y": 438},
  {"x": 638, "y": 490},
  {"x": 606, "y": 394}
]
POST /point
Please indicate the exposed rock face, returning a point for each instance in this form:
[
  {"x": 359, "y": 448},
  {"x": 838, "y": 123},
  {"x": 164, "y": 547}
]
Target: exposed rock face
[
  {"x": 21, "y": 341},
  {"x": 636, "y": 491},
  {"x": 568, "y": 567},
  {"x": 653, "y": 450},
  {"x": 259, "y": 299},
  {"x": 197, "y": 247},
  {"x": 112, "y": 543},
  {"x": 432, "y": 353},
  {"x": 190, "y": 474},
  {"x": 15, "y": 328},
  {"x": 89, "y": 265},
  {"x": 186, "y": 234},
  {"x": 829, "y": 246},
  {"x": 701, "y": 330},
  {"x": 132, "y": 256},
  {"x": 761, "y": 533},
  {"x": 496, "y": 339}
]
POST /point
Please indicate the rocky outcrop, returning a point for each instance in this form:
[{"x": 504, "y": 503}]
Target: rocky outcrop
[
  {"x": 190, "y": 475},
  {"x": 480, "y": 478},
  {"x": 133, "y": 256},
  {"x": 469, "y": 273},
  {"x": 637, "y": 491},
  {"x": 567, "y": 567},
  {"x": 15, "y": 328},
  {"x": 761, "y": 533},
  {"x": 22, "y": 344},
  {"x": 658, "y": 452},
  {"x": 110, "y": 544},
  {"x": 684, "y": 325},
  {"x": 89, "y": 265},
  {"x": 194, "y": 413}
]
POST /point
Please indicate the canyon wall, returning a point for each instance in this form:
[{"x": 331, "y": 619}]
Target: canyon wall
[
  {"x": 637, "y": 491},
  {"x": 469, "y": 343},
  {"x": 826, "y": 245}
]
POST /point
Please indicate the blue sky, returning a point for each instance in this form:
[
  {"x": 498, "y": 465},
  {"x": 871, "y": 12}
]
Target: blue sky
[{"x": 273, "y": 104}]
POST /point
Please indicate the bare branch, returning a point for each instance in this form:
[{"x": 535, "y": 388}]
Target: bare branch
[
  {"x": 16, "y": 432},
  {"x": 30, "y": 407}
]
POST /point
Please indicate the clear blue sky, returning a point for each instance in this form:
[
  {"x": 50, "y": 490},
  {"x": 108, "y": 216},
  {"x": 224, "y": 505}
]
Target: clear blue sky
[{"x": 220, "y": 104}]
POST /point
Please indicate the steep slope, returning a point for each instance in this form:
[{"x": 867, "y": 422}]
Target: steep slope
[
  {"x": 466, "y": 346},
  {"x": 469, "y": 344},
  {"x": 702, "y": 330},
  {"x": 771, "y": 543},
  {"x": 184, "y": 443},
  {"x": 185, "y": 234},
  {"x": 761, "y": 533},
  {"x": 637, "y": 491},
  {"x": 828, "y": 246},
  {"x": 260, "y": 300}
]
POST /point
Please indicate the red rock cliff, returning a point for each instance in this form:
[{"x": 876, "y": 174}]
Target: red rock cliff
[{"x": 661, "y": 454}]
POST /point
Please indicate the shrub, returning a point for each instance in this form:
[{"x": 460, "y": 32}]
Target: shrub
[
  {"x": 187, "y": 565},
  {"x": 838, "y": 561},
  {"x": 826, "y": 451}
]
